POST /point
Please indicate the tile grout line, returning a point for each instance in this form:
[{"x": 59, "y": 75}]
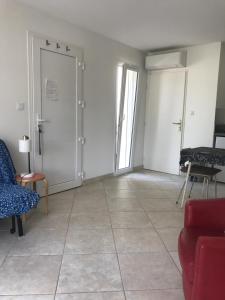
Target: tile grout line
[
  {"x": 135, "y": 191},
  {"x": 116, "y": 253},
  {"x": 60, "y": 267},
  {"x": 7, "y": 255},
  {"x": 107, "y": 292},
  {"x": 92, "y": 292},
  {"x": 168, "y": 252},
  {"x": 154, "y": 228},
  {"x": 163, "y": 241}
]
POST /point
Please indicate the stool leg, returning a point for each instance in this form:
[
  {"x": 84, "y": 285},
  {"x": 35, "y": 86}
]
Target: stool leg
[
  {"x": 203, "y": 187},
  {"x": 207, "y": 190},
  {"x": 192, "y": 184},
  {"x": 215, "y": 179},
  {"x": 46, "y": 195},
  {"x": 185, "y": 185},
  {"x": 34, "y": 186},
  {"x": 24, "y": 217},
  {"x": 178, "y": 198},
  {"x": 13, "y": 228},
  {"x": 20, "y": 226}
]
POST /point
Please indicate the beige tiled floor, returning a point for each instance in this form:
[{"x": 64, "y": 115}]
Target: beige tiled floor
[{"x": 115, "y": 239}]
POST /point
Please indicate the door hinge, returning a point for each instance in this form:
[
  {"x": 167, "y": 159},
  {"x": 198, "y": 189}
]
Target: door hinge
[
  {"x": 81, "y": 175},
  {"x": 82, "y": 65},
  {"x": 82, "y": 140},
  {"x": 82, "y": 103}
]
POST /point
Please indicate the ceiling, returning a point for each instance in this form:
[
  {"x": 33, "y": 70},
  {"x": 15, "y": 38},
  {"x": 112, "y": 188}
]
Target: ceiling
[{"x": 144, "y": 24}]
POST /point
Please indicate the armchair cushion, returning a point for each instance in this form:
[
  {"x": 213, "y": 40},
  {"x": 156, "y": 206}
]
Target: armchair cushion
[
  {"x": 187, "y": 247},
  {"x": 7, "y": 169},
  {"x": 201, "y": 249},
  {"x": 209, "y": 269},
  {"x": 16, "y": 200},
  {"x": 205, "y": 214}
]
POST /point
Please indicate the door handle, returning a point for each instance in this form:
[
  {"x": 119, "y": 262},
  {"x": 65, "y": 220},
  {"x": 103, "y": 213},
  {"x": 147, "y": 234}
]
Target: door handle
[
  {"x": 39, "y": 129},
  {"x": 178, "y": 124},
  {"x": 41, "y": 121},
  {"x": 39, "y": 139}
]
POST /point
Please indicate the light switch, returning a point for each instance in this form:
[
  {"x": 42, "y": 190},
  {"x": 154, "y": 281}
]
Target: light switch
[
  {"x": 192, "y": 112},
  {"x": 20, "y": 106}
]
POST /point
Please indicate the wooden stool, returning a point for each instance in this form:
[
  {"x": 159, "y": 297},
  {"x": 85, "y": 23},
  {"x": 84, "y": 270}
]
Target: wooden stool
[{"x": 33, "y": 180}]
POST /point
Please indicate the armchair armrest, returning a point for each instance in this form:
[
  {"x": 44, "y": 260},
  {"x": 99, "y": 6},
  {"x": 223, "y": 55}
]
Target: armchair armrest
[
  {"x": 209, "y": 273},
  {"x": 209, "y": 214}
]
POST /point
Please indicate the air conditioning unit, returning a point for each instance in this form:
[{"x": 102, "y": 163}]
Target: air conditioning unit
[{"x": 166, "y": 60}]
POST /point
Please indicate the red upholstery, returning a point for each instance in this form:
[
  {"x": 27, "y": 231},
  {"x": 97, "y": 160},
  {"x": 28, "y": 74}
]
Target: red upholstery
[{"x": 202, "y": 250}]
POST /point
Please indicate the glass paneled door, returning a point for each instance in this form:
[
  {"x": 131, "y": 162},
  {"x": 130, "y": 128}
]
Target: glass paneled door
[{"x": 126, "y": 107}]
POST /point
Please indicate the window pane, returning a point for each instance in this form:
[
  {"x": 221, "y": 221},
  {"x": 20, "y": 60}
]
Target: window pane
[{"x": 128, "y": 119}]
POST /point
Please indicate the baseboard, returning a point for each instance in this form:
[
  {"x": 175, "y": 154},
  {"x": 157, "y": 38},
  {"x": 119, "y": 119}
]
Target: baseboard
[
  {"x": 138, "y": 168},
  {"x": 110, "y": 175},
  {"x": 97, "y": 178}
]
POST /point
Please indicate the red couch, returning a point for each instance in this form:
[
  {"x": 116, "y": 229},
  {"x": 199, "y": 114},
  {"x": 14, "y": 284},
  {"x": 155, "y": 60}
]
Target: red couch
[{"x": 202, "y": 250}]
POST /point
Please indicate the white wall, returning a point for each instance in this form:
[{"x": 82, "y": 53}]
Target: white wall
[
  {"x": 201, "y": 97},
  {"x": 101, "y": 55},
  {"x": 201, "y": 94}
]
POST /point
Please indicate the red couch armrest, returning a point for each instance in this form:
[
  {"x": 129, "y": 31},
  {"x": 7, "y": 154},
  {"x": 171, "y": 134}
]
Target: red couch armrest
[
  {"x": 208, "y": 213},
  {"x": 209, "y": 272}
]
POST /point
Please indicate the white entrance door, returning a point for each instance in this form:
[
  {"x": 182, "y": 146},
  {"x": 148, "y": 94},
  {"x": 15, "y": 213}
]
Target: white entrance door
[
  {"x": 57, "y": 119},
  {"x": 164, "y": 120}
]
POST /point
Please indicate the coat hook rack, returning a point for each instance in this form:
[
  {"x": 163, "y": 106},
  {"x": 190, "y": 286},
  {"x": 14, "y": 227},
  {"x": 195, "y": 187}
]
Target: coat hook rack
[
  {"x": 47, "y": 43},
  {"x": 67, "y": 48}
]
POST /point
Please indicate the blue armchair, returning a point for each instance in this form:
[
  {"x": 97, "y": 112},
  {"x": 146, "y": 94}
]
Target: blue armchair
[{"x": 15, "y": 200}]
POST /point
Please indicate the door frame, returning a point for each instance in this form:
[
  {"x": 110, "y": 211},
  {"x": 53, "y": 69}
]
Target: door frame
[
  {"x": 118, "y": 130},
  {"x": 36, "y": 42},
  {"x": 177, "y": 70}
]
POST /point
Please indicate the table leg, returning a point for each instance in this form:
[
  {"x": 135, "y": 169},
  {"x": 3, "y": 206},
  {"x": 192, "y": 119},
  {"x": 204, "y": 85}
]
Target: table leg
[
  {"x": 34, "y": 187},
  {"x": 45, "y": 181},
  {"x": 23, "y": 184}
]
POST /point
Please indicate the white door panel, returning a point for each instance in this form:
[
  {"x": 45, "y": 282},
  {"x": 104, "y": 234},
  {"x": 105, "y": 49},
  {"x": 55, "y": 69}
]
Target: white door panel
[
  {"x": 163, "y": 108},
  {"x": 59, "y": 153},
  {"x": 59, "y": 109}
]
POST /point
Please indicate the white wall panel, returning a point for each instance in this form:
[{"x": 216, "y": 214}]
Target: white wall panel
[{"x": 203, "y": 70}]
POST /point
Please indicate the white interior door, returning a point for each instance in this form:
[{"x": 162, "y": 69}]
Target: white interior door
[
  {"x": 164, "y": 120},
  {"x": 57, "y": 115}
]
